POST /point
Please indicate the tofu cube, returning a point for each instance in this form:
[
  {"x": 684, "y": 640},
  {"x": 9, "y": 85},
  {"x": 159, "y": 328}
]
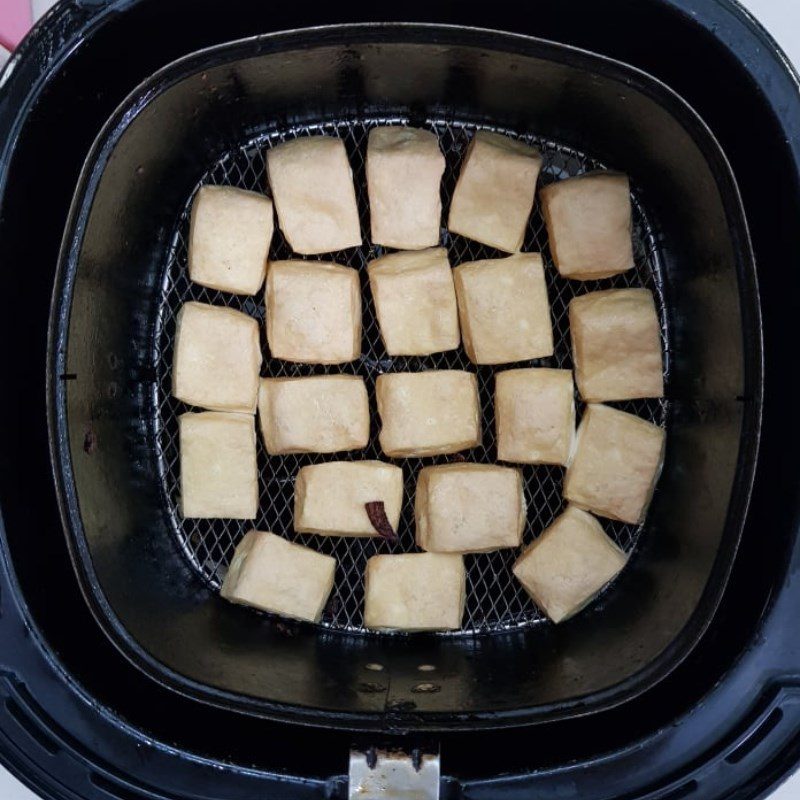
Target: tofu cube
[
  {"x": 229, "y": 238},
  {"x": 493, "y": 197},
  {"x": 404, "y": 170},
  {"x": 217, "y": 358},
  {"x": 330, "y": 499},
  {"x": 415, "y": 301},
  {"x": 469, "y": 508},
  {"x": 219, "y": 474},
  {"x": 428, "y": 413},
  {"x": 414, "y": 592},
  {"x": 616, "y": 345},
  {"x": 312, "y": 186},
  {"x": 566, "y": 567},
  {"x": 535, "y": 415},
  {"x": 503, "y": 308},
  {"x": 271, "y": 574},
  {"x": 617, "y": 461},
  {"x": 313, "y": 312},
  {"x": 588, "y": 221},
  {"x": 320, "y": 414}
]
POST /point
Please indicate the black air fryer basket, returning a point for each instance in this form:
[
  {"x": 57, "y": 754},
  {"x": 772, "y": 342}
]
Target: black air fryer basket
[
  {"x": 123, "y": 277},
  {"x": 127, "y": 677}
]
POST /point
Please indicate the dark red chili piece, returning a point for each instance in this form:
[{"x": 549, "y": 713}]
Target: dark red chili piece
[{"x": 376, "y": 512}]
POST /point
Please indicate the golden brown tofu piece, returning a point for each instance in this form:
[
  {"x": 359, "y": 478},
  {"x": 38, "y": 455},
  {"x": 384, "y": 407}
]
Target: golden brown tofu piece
[
  {"x": 494, "y": 194},
  {"x": 313, "y": 312},
  {"x": 217, "y": 358},
  {"x": 415, "y": 301},
  {"x": 219, "y": 474},
  {"x": 617, "y": 461},
  {"x": 588, "y": 220},
  {"x": 269, "y": 573},
  {"x": 469, "y": 508},
  {"x": 427, "y": 413},
  {"x": 331, "y": 498},
  {"x": 318, "y": 414},
  {"x": 229, "y": 239},
  {"x": 566, "y": 567},
  {"x": 404, "y": 170},
  {"x": 616, "y": 345},
  {"x": 534, "y": 415},
  {"x": 503, "y": 309},
  {"x": 312, "y": 186},
  {"x": 414, "y": 592}
]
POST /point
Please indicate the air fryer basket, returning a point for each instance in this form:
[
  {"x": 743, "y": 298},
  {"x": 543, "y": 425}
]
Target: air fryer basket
[{"x": 114, "y": 441}]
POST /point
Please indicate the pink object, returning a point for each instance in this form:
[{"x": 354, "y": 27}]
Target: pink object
[{"x": 15, "y": 21}]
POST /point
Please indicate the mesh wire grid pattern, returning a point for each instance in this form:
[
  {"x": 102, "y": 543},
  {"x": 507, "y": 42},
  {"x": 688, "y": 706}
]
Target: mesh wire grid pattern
[{"x": 495, "y": 600}]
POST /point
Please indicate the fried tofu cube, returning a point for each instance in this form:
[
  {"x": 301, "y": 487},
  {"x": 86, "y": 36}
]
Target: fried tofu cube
[
  {"x": 313, "y": 312},
  {"x": 535, "y": 415},
  {"x": 504, "y": 310},
  {"x": 588, "y": 221},
  {"x": 616, "y": 345},
  {"x": 428, "y": 413},
  {"x": 414, "y": 592},
  {"x": 312, "y": 186},
  {"x": 217, "y": 358},
  {"x": 330, "y": 499},
  {"x": 229, "y": 237},
  {"x": 318, "y": 414},
  {"x": 404, "y": 170},
  {"x": 494, "y": 194},
  {"x": 281, "y": 577},
  {"x": 415, "y": 301},
  {"x": 219, "y": 474},
  {"x": 469, "y": 508},
  {"x": 566, "y": 567},
  {"x": 617, "y": 461}
]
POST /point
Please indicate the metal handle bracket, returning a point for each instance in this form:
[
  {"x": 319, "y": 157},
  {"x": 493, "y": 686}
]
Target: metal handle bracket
[{"x": 382, "y": 774}]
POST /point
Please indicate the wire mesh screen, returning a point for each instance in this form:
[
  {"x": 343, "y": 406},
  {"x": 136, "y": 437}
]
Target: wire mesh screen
[{"x": 495, "y": 601}]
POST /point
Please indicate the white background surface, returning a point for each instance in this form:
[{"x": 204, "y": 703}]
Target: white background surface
[{"x": 782, "y": 20}]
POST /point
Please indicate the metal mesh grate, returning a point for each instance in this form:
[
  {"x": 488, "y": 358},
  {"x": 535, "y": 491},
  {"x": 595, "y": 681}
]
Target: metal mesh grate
[{"x": 495, "y": 601}]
